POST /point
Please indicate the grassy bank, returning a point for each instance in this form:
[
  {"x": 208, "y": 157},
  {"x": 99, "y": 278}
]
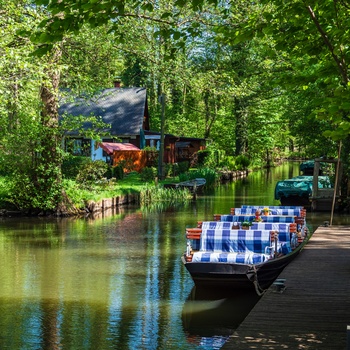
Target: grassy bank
[{"x": 80, "y": 195}]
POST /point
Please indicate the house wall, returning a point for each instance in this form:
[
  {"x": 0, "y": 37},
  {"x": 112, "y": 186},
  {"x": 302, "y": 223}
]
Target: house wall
[{"x": 96, "y": 153}]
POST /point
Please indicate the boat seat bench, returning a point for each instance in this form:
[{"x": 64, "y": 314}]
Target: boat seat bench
[
  {"x": 224, "y": 257},
  {"x": 284, "y": 229},
  {"x": 272, "y": 211},
  {"x": 238, "y": 246}
]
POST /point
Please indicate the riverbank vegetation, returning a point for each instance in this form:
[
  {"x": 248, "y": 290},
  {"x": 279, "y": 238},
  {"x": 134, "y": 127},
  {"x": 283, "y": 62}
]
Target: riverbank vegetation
[{"x": 257, "y": 84}]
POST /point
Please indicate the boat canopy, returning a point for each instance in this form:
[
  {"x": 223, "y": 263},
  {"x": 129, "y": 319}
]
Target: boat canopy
[{"x": 300, "y": 186}]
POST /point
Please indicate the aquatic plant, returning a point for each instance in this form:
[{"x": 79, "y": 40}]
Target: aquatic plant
[{"x": 152, "y": 194}]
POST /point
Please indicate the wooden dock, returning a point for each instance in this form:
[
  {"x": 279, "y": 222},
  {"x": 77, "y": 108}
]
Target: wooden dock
[{"x": 313, "y": 312}]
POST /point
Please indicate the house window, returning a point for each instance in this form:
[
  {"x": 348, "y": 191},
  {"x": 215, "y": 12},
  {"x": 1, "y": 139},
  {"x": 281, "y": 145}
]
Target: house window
[{"x": 78, "y": 147}]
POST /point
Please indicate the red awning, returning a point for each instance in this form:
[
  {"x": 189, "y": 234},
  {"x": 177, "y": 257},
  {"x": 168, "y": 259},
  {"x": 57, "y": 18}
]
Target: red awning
[{"x": 109, "y": 147}]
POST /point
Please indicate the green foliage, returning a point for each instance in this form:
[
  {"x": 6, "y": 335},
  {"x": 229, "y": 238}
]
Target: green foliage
[
  {"x": 228, "y": 163},
  {"x": 5, "y": 185},
  {"x": 211, "y": 157},
  {"x": 254, "y": 82},
  {"x": 183, "y": 167},
  {"x": 203, "y": 156},
  {"x": 210, "y": 175},
  {"x": 148, "y": 174},
  {"x": 92, "y": 172},
  {"x": 23, "y": 193},
  {"x": 242, "y": 162},
  {"x": 127, "y": 164},
  {"x": 71, "y": 165},
  {"x": 153, "y": 194},
  {"x": 115, "y": 172},
  {"x": 247, "y": 223},
  {"x": 118, "y": 172}
]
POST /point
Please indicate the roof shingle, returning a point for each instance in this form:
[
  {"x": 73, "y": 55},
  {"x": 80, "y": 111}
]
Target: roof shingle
[{"x": 123, "y": 108}]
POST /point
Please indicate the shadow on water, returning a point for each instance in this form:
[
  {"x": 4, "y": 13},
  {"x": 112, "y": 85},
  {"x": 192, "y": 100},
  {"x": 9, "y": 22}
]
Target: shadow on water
[{"x": 210, "y": 315}]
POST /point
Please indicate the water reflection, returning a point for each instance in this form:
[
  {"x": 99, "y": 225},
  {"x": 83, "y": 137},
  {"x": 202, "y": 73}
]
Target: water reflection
[
  {"x": 117, "y": 281},
  {"x": 211, "y": 315}
]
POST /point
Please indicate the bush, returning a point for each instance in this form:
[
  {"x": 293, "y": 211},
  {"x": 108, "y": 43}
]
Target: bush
[
  {"x": 210, "y": 175},
  {"x": 210, "y": 157},
  {"x": 148, "y": 174},
  {"x": 118, "y": 172},
  {"x": 228, "y": 162},
  {"x": 71, "y": 165},
  {"x": 202, "y": 157},
  {"x": 242, "y": 162},
  {"x": 183, "y": 167},
  {"x": 171, "y": 169},
  {"x": 127, "y": 164},
  {"x": 92, "y": 172}
]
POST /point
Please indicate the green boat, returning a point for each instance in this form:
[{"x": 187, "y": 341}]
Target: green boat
[{"x": 298, "y": 190}]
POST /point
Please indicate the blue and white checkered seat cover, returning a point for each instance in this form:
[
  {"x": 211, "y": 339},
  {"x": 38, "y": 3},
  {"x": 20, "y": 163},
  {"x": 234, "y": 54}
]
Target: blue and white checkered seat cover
[
  {"x": 195, "y": 244},
  {"x": 296, "y": 212},
  {"x": 268, "y": 218},
  {"x": 217, "y": 225},
  {"x": 272, "y": 226},
  {"x": 284, "y": 247},
  {"x": 273, "y": 211},
  {"x": 238, "y": 258},
  {"x": 221, "y": 240},
  {"x": 272, "y": 206},
  {"x": 245, "y": 211}
]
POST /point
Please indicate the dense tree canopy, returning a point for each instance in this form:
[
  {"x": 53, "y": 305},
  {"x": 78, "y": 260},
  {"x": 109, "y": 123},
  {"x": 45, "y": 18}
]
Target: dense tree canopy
[{"x": 253, "y": 78}]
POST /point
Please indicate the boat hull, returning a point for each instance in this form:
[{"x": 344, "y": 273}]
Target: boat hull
[
  {"x": 239, "y": 276},
  {"x": 296, "y": 200}
]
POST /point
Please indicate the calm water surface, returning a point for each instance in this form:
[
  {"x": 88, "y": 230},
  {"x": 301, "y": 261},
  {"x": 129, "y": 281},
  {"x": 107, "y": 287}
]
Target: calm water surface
[{"x": 117, "y": 282}]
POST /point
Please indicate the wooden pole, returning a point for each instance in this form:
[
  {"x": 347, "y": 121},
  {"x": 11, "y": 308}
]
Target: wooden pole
[{"x": 335, "y": 183}]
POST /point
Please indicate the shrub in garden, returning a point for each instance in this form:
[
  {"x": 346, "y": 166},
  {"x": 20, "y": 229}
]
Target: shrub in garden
[
  {"x": 202, "y": 156},
  {"x": 148, "y": 174},
  {"x": 92, "y": 172},
  {"x": 72, "y": 164},
  {"x": 118, "y": 172},
  {"x": 183, "y": 166}
]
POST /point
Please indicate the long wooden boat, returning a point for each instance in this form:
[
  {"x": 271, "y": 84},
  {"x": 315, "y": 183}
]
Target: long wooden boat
[{"x": 222, "y": 254}]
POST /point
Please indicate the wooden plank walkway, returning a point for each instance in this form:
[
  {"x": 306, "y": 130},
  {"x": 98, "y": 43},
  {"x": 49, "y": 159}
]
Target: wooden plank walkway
[{"x": 313, "y": 312}]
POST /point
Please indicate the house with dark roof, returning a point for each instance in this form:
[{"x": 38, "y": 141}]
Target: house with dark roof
[{"x": 125, "y": 110}]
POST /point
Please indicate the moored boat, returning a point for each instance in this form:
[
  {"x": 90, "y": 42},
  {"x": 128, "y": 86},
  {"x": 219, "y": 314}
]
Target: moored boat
[
  {"x": 222, "y": 253},
  {"x": 193, "y": 185},
  {"x": 299, "y": 189}
]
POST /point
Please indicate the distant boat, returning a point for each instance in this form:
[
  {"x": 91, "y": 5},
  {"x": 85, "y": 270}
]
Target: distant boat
[
  {"x": 315, "y": 189},
  {"x": 298, "y": 190},
  {"x": 223, "y": 254},
  {"x": 307, "y": 167},
  {"x": 193, "y": 185}
]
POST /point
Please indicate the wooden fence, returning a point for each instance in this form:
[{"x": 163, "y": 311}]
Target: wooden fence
[{"x": 134, "y": 160}]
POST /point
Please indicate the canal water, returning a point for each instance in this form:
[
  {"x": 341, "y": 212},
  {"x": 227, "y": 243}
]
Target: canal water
[{"x": 117, "y": 281}]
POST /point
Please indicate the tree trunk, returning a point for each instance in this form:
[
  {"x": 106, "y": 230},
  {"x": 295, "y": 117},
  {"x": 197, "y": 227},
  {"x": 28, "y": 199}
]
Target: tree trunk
[
  {"x": 241, "y": 127},
  {"x": 48, "y": 159}
]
